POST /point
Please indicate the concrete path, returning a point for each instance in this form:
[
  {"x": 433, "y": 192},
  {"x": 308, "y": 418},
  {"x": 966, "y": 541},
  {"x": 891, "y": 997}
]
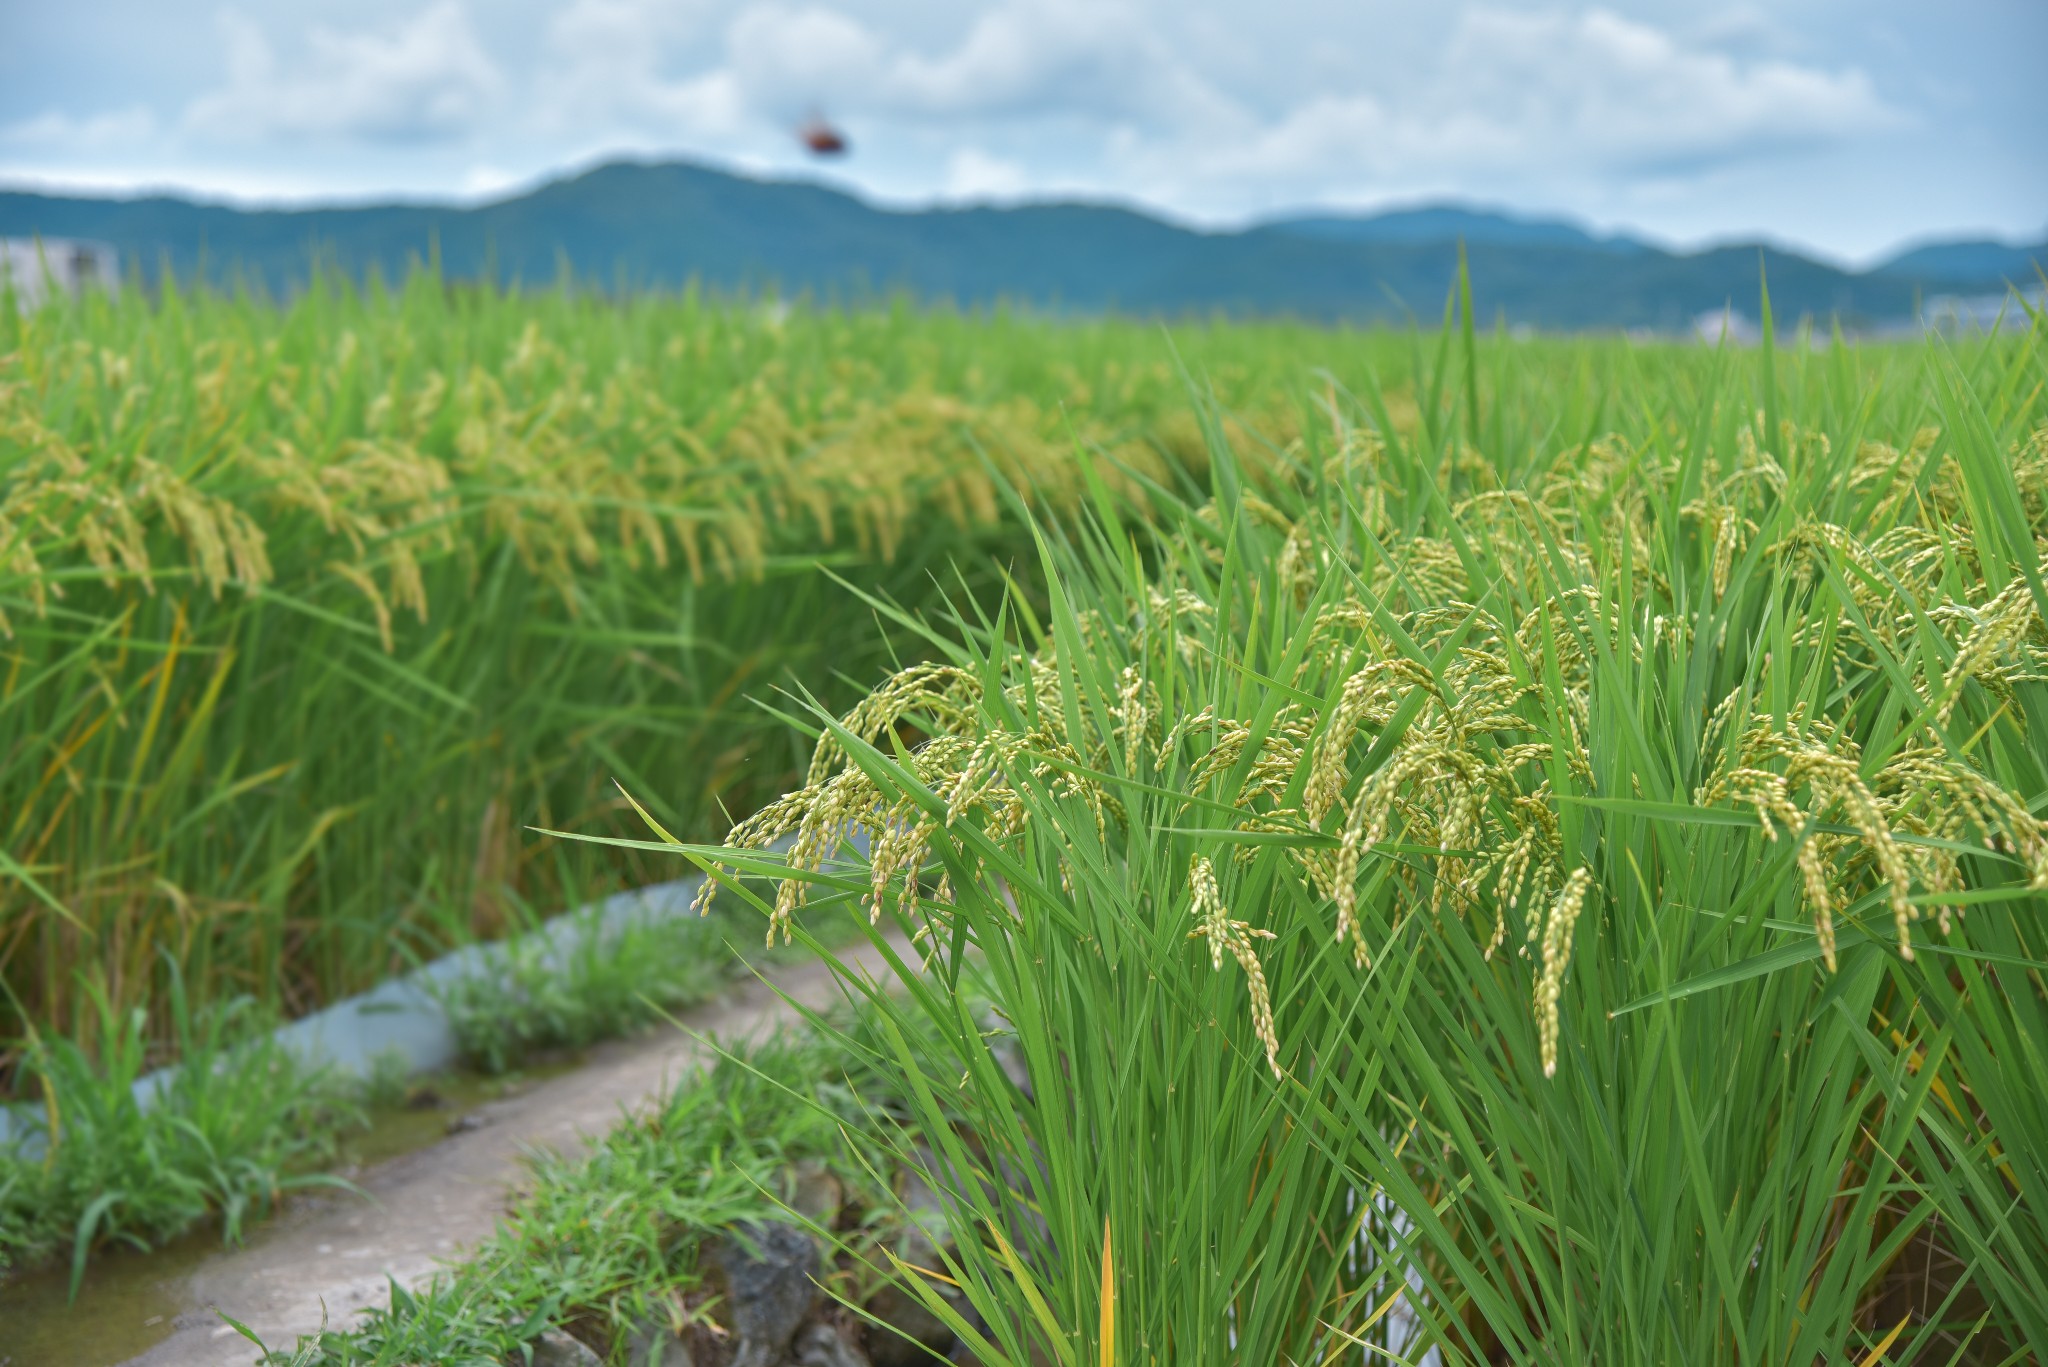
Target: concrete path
[{"x": 431, "y": 1205}]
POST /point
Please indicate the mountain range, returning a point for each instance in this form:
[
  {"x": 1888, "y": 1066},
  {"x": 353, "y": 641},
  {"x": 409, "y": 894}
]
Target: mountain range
[{"x": 637, "y": 225}]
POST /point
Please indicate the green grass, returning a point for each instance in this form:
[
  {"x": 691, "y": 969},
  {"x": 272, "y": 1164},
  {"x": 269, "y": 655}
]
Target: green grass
[
  {"x": 527, "y": 1001},
  {"x": 226, "y": 1137},
  {"x": 580, "y": 983},
  {"x": 242, "y": 1123}
]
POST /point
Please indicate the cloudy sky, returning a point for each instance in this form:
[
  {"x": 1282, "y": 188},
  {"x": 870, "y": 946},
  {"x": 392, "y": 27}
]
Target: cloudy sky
[{"x": 1842, "y": 125}]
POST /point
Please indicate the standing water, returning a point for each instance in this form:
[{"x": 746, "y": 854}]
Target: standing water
[
  {"x": 125, "y": 1306},
  {"x": 130, "y": 1301}
]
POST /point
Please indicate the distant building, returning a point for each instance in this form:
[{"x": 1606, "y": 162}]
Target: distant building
[
  {"x": 1726, "y": 325},
  {"x": 1953, "y": 314},
  {"x": 36, "y": 265}
]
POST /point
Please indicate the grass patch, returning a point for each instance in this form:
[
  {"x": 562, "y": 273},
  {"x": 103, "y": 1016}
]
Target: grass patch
[
  {"x": 239, "y": 1122},
  {"x": 226, "y": 1136},
  {"x": 544, "y": 993}
]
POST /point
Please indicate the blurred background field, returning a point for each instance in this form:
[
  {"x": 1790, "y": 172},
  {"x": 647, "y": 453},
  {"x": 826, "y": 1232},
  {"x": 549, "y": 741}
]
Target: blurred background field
[{"x": 311, "y": 613}]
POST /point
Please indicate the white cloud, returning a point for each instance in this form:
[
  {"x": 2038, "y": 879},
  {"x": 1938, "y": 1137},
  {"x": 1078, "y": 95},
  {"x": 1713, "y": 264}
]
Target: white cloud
[
  {"x": 1511, "y": 95},
  {"x": 1743, "y": 30},
  {"x": 782, "y": 57},
  {"x": 1101, "y": 60},
  {"x": 975, "y": 175},
  {"x": 606, "y": 74},
  {"x": 1023, "y": 60},
  {"x": 628, "y": 29},
  {"x": 1520, "y": 100},
  {"x": 487, "y": 181},
  {"x": 428, "y": 79},
  {"x": 1610, "y": 92},
  {"x": 56, "y": 132}
]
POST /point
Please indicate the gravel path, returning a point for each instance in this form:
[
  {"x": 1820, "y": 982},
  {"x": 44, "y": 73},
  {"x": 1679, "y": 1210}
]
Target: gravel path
[{"x": 430, "y": 1205}]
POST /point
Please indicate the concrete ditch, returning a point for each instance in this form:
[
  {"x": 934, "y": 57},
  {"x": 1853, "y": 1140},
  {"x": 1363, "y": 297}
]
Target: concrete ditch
[
  {"x": 330, "y": 1255},
  {"x": 333, "y": 1254},
  {"x": 402, "y": 1023}
]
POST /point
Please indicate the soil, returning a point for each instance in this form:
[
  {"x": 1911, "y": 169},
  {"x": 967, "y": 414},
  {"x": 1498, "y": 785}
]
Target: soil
[{"x": 426, "y": 1207}]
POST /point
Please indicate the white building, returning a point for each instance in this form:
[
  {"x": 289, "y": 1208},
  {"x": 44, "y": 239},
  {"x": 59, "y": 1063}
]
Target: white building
[
  {"x": 36, "y": 265},
  {"x": 1716, "y": 326},
  {"x": 1953, "y": 314}
]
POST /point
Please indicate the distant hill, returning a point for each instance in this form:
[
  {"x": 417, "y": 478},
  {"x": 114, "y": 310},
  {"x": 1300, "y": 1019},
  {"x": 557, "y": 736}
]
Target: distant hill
[
  {"x": 667, "y": 224},
  {"x": 1449, "y": 222},
  {"x": 1982, "y": 264}
]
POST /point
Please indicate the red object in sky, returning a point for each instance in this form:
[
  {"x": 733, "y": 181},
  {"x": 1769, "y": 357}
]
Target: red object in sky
[{"x": 822, "y": 138}]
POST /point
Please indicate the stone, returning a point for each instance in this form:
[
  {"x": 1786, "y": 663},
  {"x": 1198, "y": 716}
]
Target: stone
[
  {"x": 556, "y": 1348},
  {"x": 963, "y": 1356},
  {"x": 771, "y": 1283},
  {"x": 821, "y": 1345},
  {"x": 652, "y": 1343},
  {"x": 927, "y": 1231},
  {"x": 914, "y": 1336},
  {"x": 815, "y": 1193}
]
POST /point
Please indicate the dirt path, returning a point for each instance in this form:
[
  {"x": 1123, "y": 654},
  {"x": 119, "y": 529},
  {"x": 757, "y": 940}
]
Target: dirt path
[{"x": 430, "y": 1205}]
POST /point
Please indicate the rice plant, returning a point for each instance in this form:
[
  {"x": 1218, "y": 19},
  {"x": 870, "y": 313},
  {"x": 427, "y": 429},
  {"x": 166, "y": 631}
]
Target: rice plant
[{"x": 1558, "y": 882}]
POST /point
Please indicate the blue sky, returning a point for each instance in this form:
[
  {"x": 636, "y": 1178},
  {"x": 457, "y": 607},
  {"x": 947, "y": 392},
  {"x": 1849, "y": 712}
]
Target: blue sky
[{"x": 1844, "y": 126}]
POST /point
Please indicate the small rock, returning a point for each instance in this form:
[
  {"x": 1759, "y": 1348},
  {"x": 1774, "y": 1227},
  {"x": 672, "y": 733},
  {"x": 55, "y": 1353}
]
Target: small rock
[
  {"x": 820, "y": 1345},
  {"x": 557, "y": 1349},
  {"x": 815, "y": 1193},
  {"x": 927, "y": 1231},
  {"x": 652, "y": 1343},
  {"x": 963, "y": 1356},
  {"x": 771, "y": 1279},
  {"x": 914, "y": 1334},
  {"x": 463, "y": 1124}
]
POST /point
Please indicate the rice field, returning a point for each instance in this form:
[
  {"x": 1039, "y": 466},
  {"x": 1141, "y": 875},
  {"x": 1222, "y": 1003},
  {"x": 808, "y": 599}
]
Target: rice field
[
  {"x": 1487, "y": 850},
  {"x": 307, "y": 614}
]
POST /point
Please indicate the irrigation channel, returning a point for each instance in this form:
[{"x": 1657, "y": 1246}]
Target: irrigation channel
[{"x": 433, "y": 1179}]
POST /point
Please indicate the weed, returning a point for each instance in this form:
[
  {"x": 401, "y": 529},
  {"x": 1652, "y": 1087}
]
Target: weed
[
  {"x": 134, "y": 1157},
  {"x": 581, "y": 984}
]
